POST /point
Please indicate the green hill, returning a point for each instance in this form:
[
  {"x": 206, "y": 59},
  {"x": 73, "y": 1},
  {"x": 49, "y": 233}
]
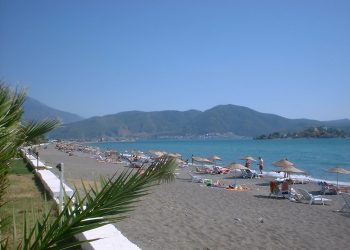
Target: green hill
[
  {"x": 313, "y": 132},
  {"x": 35, "y": 110},
  {"x": 222, "y": 120}
]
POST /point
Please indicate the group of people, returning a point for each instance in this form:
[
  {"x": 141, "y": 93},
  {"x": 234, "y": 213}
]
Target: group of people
[{"x": 260, "y": 164}]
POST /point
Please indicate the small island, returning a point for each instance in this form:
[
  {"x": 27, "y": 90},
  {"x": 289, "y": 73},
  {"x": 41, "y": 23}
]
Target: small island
[{"x": 312, "y": 132}]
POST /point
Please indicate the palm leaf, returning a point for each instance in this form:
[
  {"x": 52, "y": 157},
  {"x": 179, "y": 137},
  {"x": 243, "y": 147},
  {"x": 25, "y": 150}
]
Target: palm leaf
[
  {"x": 116, "y": 197},
  {"x": 13, "y": 134},
  {"x": 33, "y": 129}
]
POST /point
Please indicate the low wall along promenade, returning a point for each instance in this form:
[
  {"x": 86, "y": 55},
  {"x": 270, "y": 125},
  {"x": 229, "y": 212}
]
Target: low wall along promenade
[{"x": 110, "y": 237}]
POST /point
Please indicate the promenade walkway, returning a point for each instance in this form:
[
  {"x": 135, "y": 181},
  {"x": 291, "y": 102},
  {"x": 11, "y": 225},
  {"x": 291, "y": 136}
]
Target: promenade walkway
[{"x": 110, "y": 237}]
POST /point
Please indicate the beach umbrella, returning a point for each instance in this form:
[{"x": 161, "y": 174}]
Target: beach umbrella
[
  {"x": 215, "y": 158},
  {"x": 139, "y": 154},
  {"x": 178, "y": 155},
  {"x": 179, "y": 162},
  {"x": 247, "y": 157},
  {"x": 290, "y": 169},
  {"x": 338, "y": 170},
  {"x": 235, "y": 166},
  {"x": 173, "y": 155},
  {"x": 282, "y": 163},
  {"x": 156, "y": 153},
  {"x": 201, "y": 159}
]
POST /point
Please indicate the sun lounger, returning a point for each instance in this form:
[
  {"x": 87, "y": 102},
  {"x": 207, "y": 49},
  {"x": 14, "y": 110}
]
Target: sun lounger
[
  {"x": 294, "y": 180},
  {"x": 247, "y": 173},
  {"x": 195, "y": 178},
  {"x": 301, "y": 180},
  {"x": 328, "y": 188},
  {"x": 312, "y": 199}
]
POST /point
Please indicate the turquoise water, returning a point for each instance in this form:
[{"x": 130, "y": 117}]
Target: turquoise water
[{"x": 310, "y": 155}]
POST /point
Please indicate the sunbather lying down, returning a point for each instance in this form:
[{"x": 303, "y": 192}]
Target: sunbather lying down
[
  {"x": 294, "y": 195},
  {"x": 237, "y": 188},
  {"x": 216, "y": 184},
  {"x": 328, "y": 188},
  {"x": 204, "y": 170}
]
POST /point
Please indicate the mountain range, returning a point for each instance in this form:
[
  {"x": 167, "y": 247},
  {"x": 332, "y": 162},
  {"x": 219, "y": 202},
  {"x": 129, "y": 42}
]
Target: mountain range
[
  {"x": 219, "y": 121},
  {"x": 35, "y": 111}
]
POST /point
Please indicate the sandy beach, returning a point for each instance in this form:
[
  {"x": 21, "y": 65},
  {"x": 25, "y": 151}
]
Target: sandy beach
[{"x": 186, "y": 215}]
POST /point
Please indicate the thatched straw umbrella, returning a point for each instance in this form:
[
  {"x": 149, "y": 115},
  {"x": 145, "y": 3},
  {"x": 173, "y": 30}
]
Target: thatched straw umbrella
[
  {"x": 235, "y": 166},
  {"x": 338, "y": 170},
  {"x": 282, "y": 163}
]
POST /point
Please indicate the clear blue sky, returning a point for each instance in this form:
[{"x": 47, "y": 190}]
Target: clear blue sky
[{"x": 290, "y": 58}]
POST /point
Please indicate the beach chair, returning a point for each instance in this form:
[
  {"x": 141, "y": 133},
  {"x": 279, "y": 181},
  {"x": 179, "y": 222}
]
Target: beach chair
[
  {"x": 346, "y": 206},
  {"x": 327, "y": 188},
  {"x": 300, "y": 180},
  {"x": 247, "y": 173},
  {"x": 312, "y": 199},
  {"x": 195, "y": 178}
]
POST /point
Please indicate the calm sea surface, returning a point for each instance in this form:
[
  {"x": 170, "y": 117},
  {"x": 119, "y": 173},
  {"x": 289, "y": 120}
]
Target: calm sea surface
[{"x": 310, "y": 155}]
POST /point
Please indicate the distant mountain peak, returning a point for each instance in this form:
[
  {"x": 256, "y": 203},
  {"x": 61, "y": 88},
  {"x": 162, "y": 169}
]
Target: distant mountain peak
[{"x": 35, "y": 110}]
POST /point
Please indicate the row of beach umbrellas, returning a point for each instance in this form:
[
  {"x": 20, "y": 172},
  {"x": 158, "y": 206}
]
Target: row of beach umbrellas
[
  {"x": 284, "y": 165},
  {"x": 288, "y": 167}
]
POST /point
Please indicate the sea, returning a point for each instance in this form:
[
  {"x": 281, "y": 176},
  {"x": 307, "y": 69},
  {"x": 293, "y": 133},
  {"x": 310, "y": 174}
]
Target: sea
[{"x": 314, "y": 156}]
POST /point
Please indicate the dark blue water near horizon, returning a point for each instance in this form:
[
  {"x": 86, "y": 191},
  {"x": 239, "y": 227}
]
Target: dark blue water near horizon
[{"x": 311, "y": 155}]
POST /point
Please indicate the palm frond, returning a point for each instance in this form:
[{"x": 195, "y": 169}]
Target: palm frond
[
  {"x": 10, "y": 105},
  {"x": 4, "y": 222},
  {"x": 33, "y": 129},
  {"x": 13, "y": 134},
  {"x": 99, "y": 206}
]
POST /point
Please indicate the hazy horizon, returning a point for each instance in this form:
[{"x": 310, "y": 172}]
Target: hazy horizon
[{"x": 89, "y": 58}]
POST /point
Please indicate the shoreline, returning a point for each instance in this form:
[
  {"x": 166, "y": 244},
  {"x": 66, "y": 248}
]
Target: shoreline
[
  {"x": 268, "y": 173},
  {"x": 313, "y": 156},
  {"x": 187, "y": 215}
]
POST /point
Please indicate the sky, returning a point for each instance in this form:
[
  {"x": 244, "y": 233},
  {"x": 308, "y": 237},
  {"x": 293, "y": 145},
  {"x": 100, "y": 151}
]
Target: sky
[{"x": 93, "y": 58}]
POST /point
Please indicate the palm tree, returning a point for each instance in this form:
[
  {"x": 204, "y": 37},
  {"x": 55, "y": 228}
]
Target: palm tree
[
  {"x": 92, "y": 208},
  {"x": 13, "y": 133}
]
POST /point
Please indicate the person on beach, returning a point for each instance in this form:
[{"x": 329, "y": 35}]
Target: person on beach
[
  {"x": 261, "y": 164},
  {"x": 285, "y": 187},
  {"x": 247, "y": 163}
]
